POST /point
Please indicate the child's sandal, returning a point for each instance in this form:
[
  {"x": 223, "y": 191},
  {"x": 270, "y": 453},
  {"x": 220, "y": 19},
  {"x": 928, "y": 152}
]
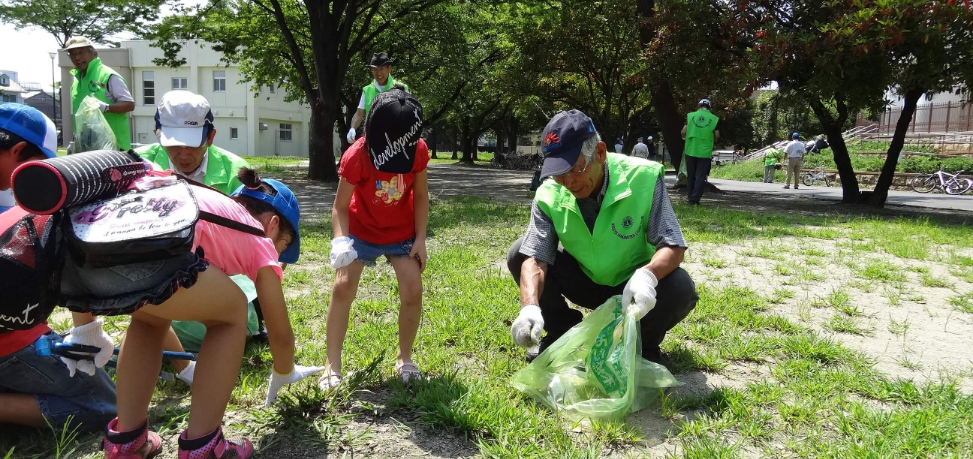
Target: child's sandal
[
  {"x": 329, "y": 381},
  {"x": 408, "y": 371}
]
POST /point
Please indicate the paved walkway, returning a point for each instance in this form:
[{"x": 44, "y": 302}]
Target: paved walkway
[{"x": 896, "y": 198}]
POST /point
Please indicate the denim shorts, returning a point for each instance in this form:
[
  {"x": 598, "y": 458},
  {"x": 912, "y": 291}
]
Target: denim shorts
[
  {"x": 368, "y": 253},
  {"x": 124, "y": 289},
  {"x": 88, "y": 400}
]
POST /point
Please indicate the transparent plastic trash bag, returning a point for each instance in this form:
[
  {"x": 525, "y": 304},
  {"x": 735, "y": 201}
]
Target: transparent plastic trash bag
[
  {"x": 91, "y": 130},
  {"x": 595, "y": 370}
]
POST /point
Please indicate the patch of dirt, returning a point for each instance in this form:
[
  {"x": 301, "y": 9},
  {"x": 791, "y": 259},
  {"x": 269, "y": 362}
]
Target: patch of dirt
[{"x": 909, "y": 330}]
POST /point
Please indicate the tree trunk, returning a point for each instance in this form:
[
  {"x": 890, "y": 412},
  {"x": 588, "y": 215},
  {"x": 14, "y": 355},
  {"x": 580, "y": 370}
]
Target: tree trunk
[
  {"x": 452, "y": 146},
  {"x": 668, "y": 115},
  {"x": 321, "y": 145},
  {"x": 435, "y": 142},
  {"x": 881, "y": 192},
  {"x": 850, "y": 193},
  {"x": 666, "y": 109}
]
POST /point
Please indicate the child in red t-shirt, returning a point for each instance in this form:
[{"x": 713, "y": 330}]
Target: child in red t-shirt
[{"x": 381, "y": 208}]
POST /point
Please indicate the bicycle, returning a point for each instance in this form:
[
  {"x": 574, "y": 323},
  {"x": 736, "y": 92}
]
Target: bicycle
[
  {"x": 950, "y": 183},
  {"x": 817, "y": 176}
]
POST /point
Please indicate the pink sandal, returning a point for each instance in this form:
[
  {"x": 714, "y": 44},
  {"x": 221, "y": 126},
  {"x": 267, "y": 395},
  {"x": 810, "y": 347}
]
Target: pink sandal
[{"x": 408, "y": 371}]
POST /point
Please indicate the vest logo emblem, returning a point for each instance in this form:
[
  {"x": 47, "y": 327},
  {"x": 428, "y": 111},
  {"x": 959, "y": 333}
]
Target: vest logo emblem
[
  {"x": 94, "y": 86},
  {"x": 627, "y": 224},
  {"x": 702, "y": 122}
]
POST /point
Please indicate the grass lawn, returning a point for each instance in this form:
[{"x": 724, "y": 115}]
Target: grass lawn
[{"x": 782, "y": 357}]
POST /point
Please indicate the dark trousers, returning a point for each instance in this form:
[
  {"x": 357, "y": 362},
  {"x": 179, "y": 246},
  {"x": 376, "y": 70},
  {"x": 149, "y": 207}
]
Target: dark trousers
[
  {"x": 697, "y": 169},
  {"x": 675, "y": 297}
]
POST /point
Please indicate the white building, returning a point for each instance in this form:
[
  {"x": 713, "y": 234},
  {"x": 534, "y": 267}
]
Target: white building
[
  {"x": 10, "y": 89},
  {"x": 248, "y": 122}
]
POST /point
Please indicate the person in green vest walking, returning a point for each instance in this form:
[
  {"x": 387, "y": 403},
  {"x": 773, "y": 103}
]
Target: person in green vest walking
[
  {"x": 92, "y": 77},
  {"x": 618, "y": 234},
  {"x": 184, "y": 125},
  {"x": 700, "y": 133},
  {"x": 772, "y": 158},
  {"x": 382, "y": 71}
]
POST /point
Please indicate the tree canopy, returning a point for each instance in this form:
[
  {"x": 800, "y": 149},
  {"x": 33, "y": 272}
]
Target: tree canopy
[{"x": 98, "y": 20}]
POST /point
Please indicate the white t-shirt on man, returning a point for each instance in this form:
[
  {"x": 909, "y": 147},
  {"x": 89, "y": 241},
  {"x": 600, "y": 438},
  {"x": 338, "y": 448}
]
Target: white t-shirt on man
[{"x": 795, "y": 149}]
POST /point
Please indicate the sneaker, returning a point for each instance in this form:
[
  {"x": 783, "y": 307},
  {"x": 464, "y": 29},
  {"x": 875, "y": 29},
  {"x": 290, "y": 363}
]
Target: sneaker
[
  {"x": 542, "y": 346},
  {"x": 140, "y": 443},
  {"x": 787, "y": 187},
  {"x": 796, "y": 187},
  {"x": 215, "y": 447}
]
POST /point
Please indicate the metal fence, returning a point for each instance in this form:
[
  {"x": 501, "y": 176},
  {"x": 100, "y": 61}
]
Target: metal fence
[{"x": 943, "y": 117}]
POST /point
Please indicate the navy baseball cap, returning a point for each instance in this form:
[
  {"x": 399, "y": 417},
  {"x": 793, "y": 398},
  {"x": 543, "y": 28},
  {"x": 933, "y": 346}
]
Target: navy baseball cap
[
  {"x": 31, "y": 125},
  {"x": 286, "y": 203},
  {"x": 795, "y": 135},
  {"x": 562, "y": 140}
]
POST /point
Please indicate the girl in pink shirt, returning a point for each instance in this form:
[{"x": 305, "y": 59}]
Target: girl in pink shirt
[{"x": 201, "y": 290}]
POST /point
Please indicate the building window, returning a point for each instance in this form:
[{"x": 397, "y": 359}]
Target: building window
[
  {"x": 273, "y": 89},
  {"x": 180, "y": 83},
  {"x": 285, "y": 132},
  {"x": 234, "y": 133},
  {"x": 148, "y": 88},
  {"x": 8, "y": 98},
  {"x": 4, "y": 80},
  {"x": 219, "y": 81}
]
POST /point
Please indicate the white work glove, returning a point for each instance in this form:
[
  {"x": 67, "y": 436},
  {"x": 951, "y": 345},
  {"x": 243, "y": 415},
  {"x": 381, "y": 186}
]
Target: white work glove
[
  {"x": 351, "y": 135},
  {"x": 342, "y": 252},
  {"x": 102, "y": 106},
  {"x": 186, "y": 375},
  {"x": 526, "y": 330},
  {"x": 90, "y": 335},
  {"x": 639, "y": 293},
  {"x": 277, "y": 380}
]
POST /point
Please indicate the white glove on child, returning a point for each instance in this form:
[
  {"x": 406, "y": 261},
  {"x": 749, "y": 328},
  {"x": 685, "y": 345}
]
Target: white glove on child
[
  {"x": 351, "y": 135},
  {"x": 90, "y": 335},
  {"x": 277, "y": 380},
  {"x": 641, "y": 289},
  {"x": 526, "y": 330},
  {"x": 342, "y": 252},
  {"x": 186, "y": 375}
]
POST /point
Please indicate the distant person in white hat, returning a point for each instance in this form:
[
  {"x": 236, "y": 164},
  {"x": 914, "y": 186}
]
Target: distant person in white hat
[
  {"x": 184, "y": 125},
  {"x": 92, "y": 77}
]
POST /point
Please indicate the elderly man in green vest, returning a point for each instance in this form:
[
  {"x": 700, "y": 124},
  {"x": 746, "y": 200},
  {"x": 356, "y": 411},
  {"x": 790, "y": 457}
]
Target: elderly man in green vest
[
  {"x": 700, "y": 133},
  {"x": 382, "y": 71},
  {"x": 184, "y": 125},
  {"x": 618, "y": 234},
  {"x": 92, "y": 77}
]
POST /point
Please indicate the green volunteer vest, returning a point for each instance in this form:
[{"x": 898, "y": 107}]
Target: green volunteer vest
[
  {"x": 770, "y": 157},
  {"x": 95, "y": 83},
  {"x": 371, "y": 91},
  {"x": 699, "y": 133},
  {"x": 221, "y": 168},
  {"x": 617, "y": 247}
]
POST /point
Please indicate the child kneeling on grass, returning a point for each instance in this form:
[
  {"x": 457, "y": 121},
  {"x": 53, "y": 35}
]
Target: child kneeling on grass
[
  {"x": 190, "y": 287},
  {"x": 381, "y": 208}
]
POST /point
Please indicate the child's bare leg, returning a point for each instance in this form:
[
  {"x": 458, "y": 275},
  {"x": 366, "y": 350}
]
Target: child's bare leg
[
  {"x": 173, "y": 344},
  {"x": 409, "y": 276},
  {"x": 342, "y": 295},
  {"x": 139, "y": 361},
  {"x": 218, "y": 303}
]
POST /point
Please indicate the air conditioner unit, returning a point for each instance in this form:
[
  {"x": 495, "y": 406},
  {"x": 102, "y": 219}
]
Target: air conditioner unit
[{"x": 263, "y": 126}]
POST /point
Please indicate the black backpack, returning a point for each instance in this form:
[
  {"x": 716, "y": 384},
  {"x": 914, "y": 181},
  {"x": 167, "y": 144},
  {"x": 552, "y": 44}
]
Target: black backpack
[{"x": 30, "y": 268}]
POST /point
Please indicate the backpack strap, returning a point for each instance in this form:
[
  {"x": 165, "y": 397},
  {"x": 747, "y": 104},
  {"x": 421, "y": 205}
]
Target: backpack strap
[
  {"x": 232, "y": 224},
  {"x": 222, "y": 221}
]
